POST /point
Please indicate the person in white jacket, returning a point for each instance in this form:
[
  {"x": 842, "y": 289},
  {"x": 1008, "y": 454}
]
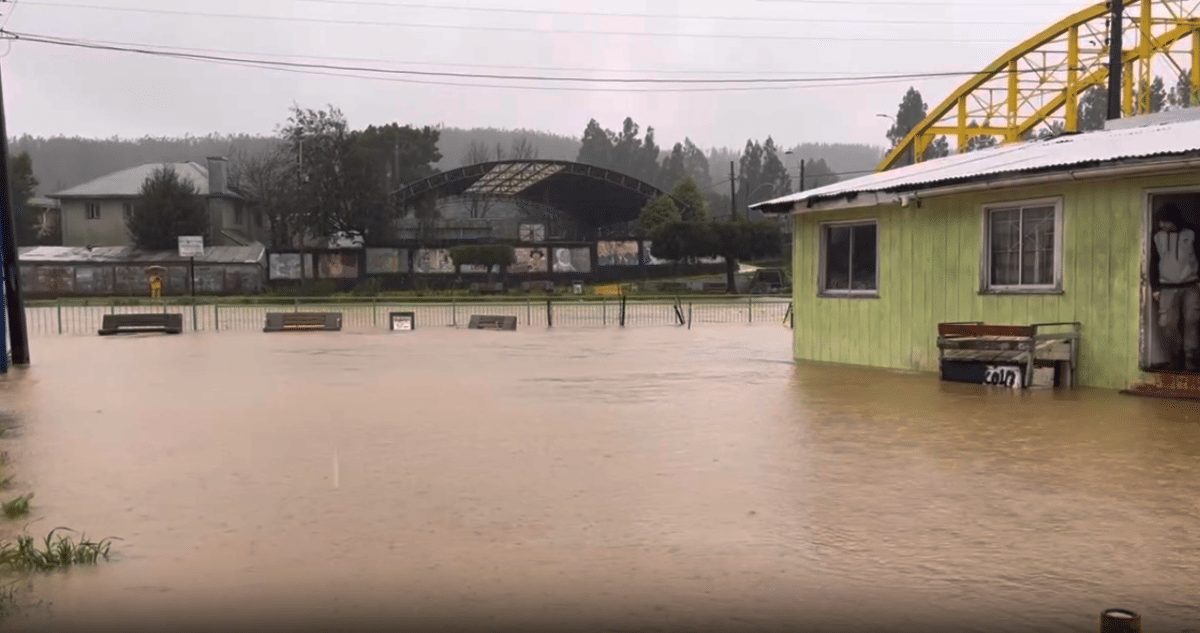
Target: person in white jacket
[{"x": 1175, "y": 286}]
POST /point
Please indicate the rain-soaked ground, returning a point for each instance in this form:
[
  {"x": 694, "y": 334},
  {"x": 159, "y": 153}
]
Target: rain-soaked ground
[{"x": 654, "y": 479}]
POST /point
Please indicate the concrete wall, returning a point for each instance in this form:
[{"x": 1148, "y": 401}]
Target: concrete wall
[{"x": 108, "y": 230}]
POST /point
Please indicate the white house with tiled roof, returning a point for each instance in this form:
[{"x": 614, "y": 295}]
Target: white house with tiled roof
[{"x": 94, "y": 212}]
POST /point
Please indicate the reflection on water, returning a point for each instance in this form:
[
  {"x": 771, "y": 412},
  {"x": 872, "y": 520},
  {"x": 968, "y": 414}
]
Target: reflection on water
[{"x": 651, "y": 479}]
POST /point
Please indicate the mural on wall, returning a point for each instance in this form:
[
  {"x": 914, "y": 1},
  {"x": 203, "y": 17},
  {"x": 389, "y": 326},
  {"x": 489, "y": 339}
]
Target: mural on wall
[
  {"x": 572, "y": 260},
  {"x": 287, "y": 265},
  {"x": 384, "y": 261},
  {"x": 433, "y": 261},
  {"x": 617, "y": 253},
  {"x": 339, "y": 265},
  {"x": 649, "y": 259},
  {"x": 530, "y": 260}
]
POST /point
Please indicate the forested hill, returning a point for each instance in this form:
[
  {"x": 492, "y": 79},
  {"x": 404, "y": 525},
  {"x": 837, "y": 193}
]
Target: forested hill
[{"x": 62, "y": 162}]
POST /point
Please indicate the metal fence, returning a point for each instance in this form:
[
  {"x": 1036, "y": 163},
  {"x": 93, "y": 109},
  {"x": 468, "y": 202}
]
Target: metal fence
[{"x": 66, "y": 317}]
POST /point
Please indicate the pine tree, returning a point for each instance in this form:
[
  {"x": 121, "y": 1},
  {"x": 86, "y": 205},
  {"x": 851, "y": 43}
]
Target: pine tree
[
  {"x": 23, "y": 184},
  {"x": 167, "y": 208},
  {"x": 689, "y": 195}
]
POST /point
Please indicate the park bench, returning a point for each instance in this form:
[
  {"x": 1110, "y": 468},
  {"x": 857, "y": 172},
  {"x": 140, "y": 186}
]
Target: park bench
[
  {"x": 142, "y": 322},
  {"x": 303, "y": 321},
  {"x": 1042, "y": 354},
  {"x": 492, "y": 322}
]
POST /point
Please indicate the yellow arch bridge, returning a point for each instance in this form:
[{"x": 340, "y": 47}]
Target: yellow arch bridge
[{"x": 1037, "y": 84}]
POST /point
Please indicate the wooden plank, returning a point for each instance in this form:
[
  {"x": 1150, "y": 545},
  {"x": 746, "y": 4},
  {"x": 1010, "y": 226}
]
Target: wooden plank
[{"x": 953, "y": 329}]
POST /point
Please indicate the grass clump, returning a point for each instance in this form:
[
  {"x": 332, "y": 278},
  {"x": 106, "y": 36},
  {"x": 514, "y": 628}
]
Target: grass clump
[
  {"x": 28, "y": 555},
  {"x": 18, "y": 507}
]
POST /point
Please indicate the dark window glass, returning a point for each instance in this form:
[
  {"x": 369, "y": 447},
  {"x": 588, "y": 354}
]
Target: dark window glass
[
  {"x": 837, "y": 257},
  {"x": 864, "y": 244}
]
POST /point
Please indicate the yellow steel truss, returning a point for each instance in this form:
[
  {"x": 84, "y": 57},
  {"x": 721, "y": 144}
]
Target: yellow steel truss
[{"x": 1039, "y": 81}]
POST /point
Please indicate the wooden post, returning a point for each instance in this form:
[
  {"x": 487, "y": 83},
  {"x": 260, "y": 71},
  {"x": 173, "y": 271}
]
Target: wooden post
[
  {"x": 216, "y": 317},
  {"x": 549, "y": 313},
  {"x": 689, "y": 315},
  {"x": 194, "y": 328},
  {"x": 58, "y": 305},
  {"x": 192, "y": 275}
]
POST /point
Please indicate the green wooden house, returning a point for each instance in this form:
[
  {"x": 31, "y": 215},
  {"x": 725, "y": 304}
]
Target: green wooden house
[{"x": 1040, "y": 231}]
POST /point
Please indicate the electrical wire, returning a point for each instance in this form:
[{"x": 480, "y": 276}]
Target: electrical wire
[
  {"x": 559, "y": 12},
  {"x": 665, "y": 16},
  {"x": 397, "y": 74},
  {"x": 665, "y": 71},
  {"x": 459, "y": 27}
]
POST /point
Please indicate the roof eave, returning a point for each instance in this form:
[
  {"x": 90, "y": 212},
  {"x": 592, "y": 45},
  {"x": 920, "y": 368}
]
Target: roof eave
[{"x": 1057, "y": 173}]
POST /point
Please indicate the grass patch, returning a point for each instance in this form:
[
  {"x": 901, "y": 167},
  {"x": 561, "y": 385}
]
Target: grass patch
[
  {"x": 52, "y": 553},
  {"x": 19, "y": 507}
]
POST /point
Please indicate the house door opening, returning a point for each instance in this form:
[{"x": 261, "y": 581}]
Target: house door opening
[{"x": 1171, "y": 285}]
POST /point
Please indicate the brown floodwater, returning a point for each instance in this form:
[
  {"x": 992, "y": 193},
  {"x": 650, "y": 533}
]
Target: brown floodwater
[{"x": 648, "y": 479}]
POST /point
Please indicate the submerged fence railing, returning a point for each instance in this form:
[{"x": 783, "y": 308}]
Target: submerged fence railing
[{"x": 85, "y": 317}]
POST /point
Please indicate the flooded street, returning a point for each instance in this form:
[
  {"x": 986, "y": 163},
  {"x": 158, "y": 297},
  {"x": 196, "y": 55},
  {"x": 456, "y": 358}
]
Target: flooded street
[{"x": 656, "y": 479}]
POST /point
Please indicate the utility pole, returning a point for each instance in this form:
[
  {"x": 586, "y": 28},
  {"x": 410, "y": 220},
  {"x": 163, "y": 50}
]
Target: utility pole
[
  {"x": 1115, "y": 66},
  {"x": 801, "y": 174},
  {"x": 11, "y": 271},
  {"x": 732, "y": 193}
]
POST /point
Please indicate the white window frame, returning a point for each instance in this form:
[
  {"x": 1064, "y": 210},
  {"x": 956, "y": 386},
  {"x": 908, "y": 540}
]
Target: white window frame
[
  {"x": 985, "y": 273},
  {"x": 850, "y": 293},
  {"x": 91, "y": 210}
]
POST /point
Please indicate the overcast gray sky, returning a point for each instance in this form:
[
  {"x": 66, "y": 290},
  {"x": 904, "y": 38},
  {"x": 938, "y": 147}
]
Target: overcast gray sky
[{"x": 52, "y": 90}]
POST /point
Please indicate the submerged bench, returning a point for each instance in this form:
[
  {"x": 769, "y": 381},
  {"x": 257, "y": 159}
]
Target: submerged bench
[
  {"x": 304, "y": 321},
  {"x": 142, "y": 322},
  {"x": 492, "y": 322},
  {"x": 1009, "y": 355}
]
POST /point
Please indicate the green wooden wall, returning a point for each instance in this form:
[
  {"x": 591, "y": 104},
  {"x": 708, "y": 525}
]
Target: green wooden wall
[{"x": 929, "y": 272}]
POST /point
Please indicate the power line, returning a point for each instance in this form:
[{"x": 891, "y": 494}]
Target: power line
[
  {"x": 654, "y": 16},
  {"x": 397, "y": 74},
  {"x": 458, "y": 27}
]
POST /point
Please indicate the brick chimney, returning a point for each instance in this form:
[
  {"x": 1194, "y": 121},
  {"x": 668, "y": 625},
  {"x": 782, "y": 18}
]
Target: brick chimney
[{"x": 217, "y": 166}]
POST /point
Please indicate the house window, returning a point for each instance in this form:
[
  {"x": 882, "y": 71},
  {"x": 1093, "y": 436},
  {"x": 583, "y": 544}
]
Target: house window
[
  {"x": 1023, "y": 251},
  {"x": 258, "y": 219},
  {"x": 850, "y": 259},
  {"x": 93, "y": 210},
  {"x": 128, "y": 210},
  {"x": 237, "y": 215}
]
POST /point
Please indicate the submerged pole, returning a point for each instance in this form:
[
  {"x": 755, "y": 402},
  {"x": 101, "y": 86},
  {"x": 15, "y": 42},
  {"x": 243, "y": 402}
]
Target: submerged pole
[
  {"x": 11, "y": 275},
  {"x": 1120, "y": 621}
]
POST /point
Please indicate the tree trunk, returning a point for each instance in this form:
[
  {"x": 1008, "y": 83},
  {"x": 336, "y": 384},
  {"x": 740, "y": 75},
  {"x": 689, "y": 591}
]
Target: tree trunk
[{"x": 730, "y": 276}]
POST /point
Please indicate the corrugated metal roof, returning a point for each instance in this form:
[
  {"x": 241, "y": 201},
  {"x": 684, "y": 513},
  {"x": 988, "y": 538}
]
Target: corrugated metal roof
[
  {"x": 129, "y": 255},
  {"x": 128, "y": 182},
  {"x": 1154, "y": 139}
]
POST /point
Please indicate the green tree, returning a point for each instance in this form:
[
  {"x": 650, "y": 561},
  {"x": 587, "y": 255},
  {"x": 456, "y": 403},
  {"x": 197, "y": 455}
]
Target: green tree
[
  {"x": 695, "y": 164},
  {"x": 167, "y": 207},
  {"x": 740, "y": 239},
  {"x": 1182, "y": 95},
  {"x": 683, "y": 240},
  {"x": 23, "y": 185},
  {"x": 775, "y": 177},
  {"x": 750, "y": 176},
  {"x": 625, "y": 152},
  {"x": 817, "y": 173},
  {"x": 980, "y": 141},
  {"x": 268, "y": 178},
  {"x": 346, "y": 176},
  {"x": 688, "y": 194},
  {"x": 673, "y": 170},
  {"x": 657, "y": 213},
  {"x": 1092, "y": 109},
  {"x": 1053, "y": 129},
  {"x": 489, "y": 255}
]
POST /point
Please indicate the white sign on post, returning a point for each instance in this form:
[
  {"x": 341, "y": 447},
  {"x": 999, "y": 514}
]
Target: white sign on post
[{"x": 191, "y": 246}]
